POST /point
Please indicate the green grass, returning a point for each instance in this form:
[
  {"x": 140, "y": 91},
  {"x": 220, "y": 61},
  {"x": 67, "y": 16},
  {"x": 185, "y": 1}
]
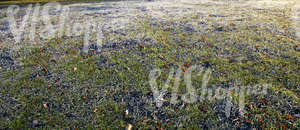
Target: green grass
[{"x": 82, "y": 93}]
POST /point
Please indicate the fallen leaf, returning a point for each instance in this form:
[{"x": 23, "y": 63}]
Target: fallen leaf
[
  {"x": 249, "y": 120},
  {"x": 284, "y": 65},
  {"x": 95, "y": 110},
  {"x": 93, "y": 50},
  {"x": 44, "y": 69},
  {"x": 158, "y": 127},
  {"x": 282, "y": 126},
  {"x": 210, "y": 46},
  {"x": 202, "y": 108},
  {"x": 128, "y": 127},
  {"x": 264, "y": 100},
  {"x": 187, "y": 65},
  {"x": 290, "y": 116},
  {"x": 167, "y": 66},
  {"x": 203, "y": 39},
  {"x": 169, "y": 29},
  {"x": 232, "y": 24},
  {"x": 157, "y": 122},
  {"x": 41, "y": 52},
  {"x": 182, "y": 45},
  {"x": 85, "y": 55},
  {"x": 140, "y": 46},
  {"x": 45, "y": 105},
  {"x": 260, "y": 121}
]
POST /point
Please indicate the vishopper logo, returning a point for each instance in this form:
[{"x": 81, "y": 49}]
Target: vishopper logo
[
  {"x": 191, "y": 96},
  {"x": 55, "y": 20},
  {"x": 35, "y": 16},
  {"x": 35, "y": 24}
]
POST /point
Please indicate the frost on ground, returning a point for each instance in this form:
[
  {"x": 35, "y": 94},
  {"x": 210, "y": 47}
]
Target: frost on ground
[
  {"x": 49, "y": 81},
  {"x": 116, "y": 18}
]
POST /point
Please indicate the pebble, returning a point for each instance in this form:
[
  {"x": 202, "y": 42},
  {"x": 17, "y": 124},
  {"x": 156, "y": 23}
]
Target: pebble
[
  {"x": 220, "y": 28},
  {"x": 35, "y": 123},
  {"x": 126, "y": 113},
  {"x": 215, "y": 15},
  {"x": 4, "y": 29}
]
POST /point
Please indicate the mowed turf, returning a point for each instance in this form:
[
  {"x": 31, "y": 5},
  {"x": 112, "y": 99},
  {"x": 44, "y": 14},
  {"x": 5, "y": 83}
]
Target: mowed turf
[{"x": 57, "y": 85}]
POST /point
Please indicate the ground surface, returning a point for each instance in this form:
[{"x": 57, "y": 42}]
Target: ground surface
[
  {"x": 21, "y": 2},
  {"x": 54, "y": 84}
]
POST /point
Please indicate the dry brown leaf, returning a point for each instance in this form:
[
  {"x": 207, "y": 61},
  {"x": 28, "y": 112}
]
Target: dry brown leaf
[
  {"x": 183, "y": 69},
  {"x": 167, "y": 66},
  {"x": 282, "y": 126},
  {"x": 290, "y": 116}
]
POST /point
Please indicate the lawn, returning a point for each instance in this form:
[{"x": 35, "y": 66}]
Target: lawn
[{"x": 57, "y": 85}]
